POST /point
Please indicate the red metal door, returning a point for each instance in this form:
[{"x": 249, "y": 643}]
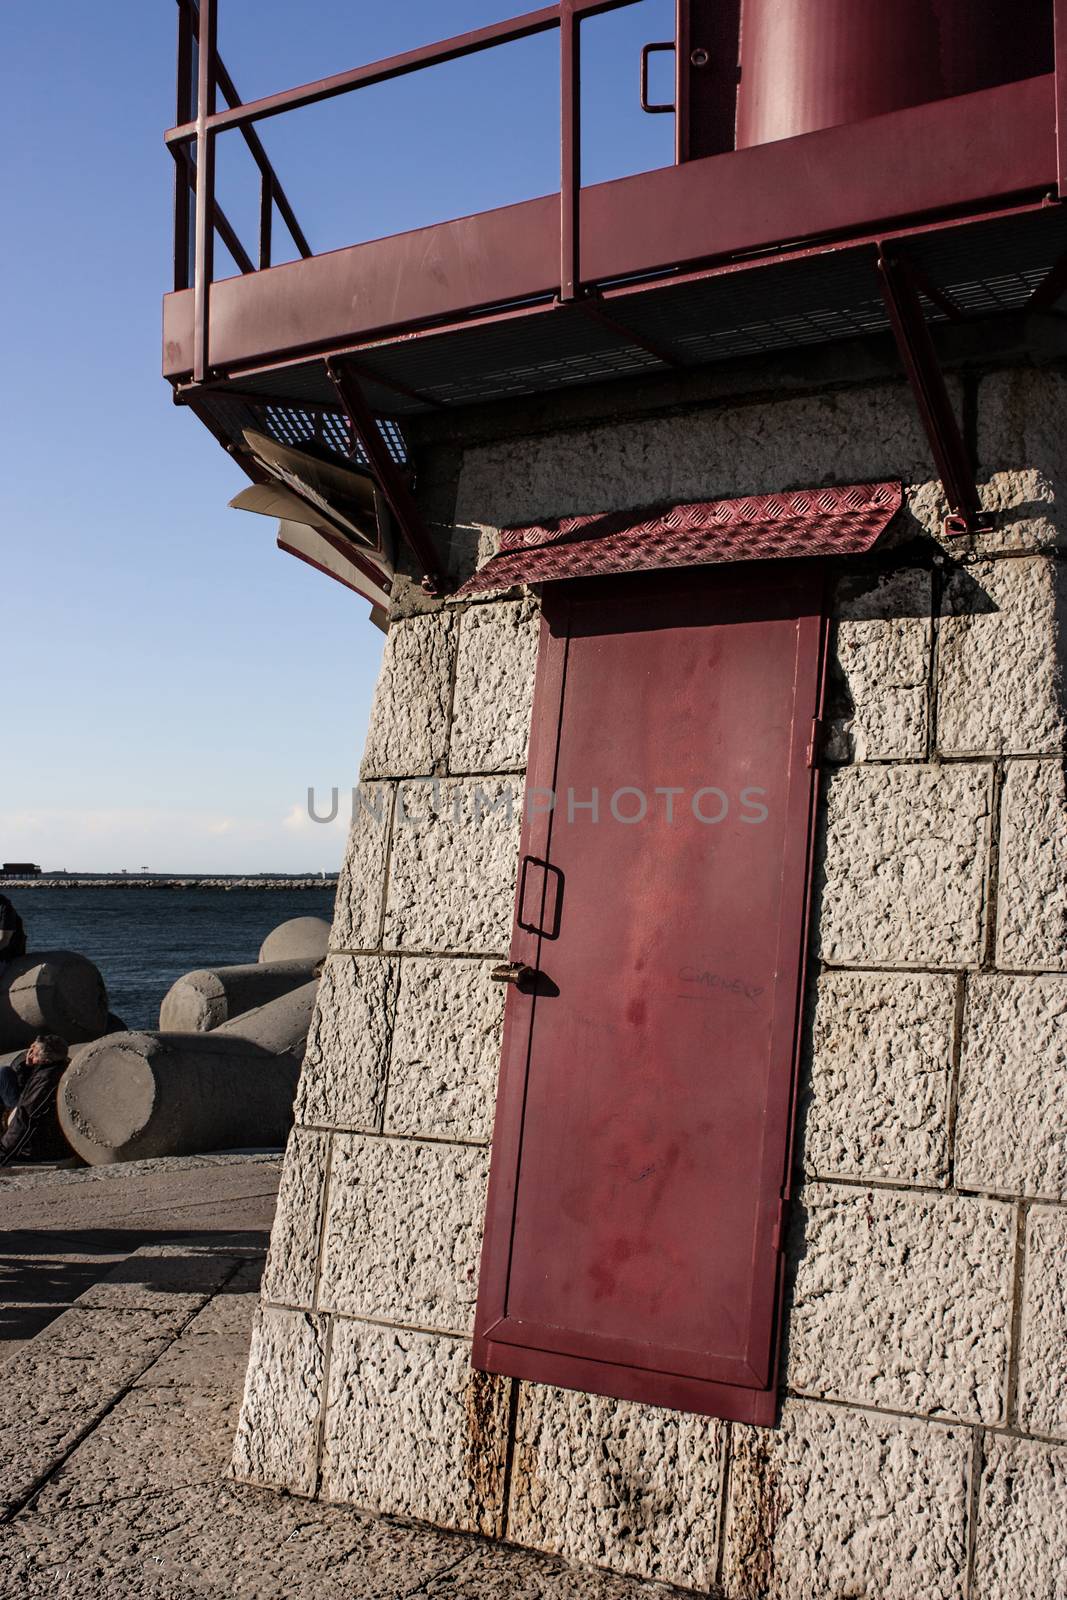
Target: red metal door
[{"x": 644, "y": 1116}]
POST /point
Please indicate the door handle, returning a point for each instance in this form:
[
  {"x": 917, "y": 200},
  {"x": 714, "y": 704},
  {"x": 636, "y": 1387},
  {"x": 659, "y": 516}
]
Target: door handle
[
  {"x": 538, "y": 924},
  {"x": 646, "y": 51}
]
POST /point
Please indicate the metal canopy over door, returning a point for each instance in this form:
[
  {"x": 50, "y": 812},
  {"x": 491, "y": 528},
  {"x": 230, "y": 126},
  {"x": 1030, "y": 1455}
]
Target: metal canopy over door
[{"x": 641, "y": 1152}]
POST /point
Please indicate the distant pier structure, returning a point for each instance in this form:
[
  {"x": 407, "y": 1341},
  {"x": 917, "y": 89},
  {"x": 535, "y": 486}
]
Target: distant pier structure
[
  {"x": 679, "y": 1180},
  {"x": 19, "y": 869}
]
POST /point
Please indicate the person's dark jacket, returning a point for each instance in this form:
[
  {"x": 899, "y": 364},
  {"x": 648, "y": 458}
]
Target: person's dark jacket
[
  {"x": 33, "y": 1132},
  {"x": 12, "y": 933}
]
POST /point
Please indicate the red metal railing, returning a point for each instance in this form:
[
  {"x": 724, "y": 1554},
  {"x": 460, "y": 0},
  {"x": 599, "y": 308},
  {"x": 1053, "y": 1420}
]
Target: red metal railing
[{"x": 198, "y": 216}]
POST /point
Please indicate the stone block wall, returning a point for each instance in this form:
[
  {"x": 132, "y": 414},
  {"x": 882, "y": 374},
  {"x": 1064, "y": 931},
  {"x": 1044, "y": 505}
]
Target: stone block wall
[{"x": 922, "y": 1447}]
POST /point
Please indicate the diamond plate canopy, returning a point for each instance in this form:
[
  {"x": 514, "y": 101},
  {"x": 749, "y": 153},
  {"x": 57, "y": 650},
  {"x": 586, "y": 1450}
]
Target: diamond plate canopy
[{"x": 843, "y": 520}]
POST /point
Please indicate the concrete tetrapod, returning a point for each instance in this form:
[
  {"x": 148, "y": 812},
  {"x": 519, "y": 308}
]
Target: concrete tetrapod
[
  {"x": 51, "y": 991},
  {"x": 299, "y": 939},
  {"x": 137, "y": 1095},
  {"x": 281, "y": 1026},
  {"x": 211, "y": 996}
]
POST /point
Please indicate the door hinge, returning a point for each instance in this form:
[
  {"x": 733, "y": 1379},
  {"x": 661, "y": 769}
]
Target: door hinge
[
  {"x": 815, "y": 740},
  {"x": 516, "y": 972}
]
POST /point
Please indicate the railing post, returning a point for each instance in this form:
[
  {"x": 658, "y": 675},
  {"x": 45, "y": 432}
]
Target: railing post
[
  {"x": 266, "y": 213},
  {"x": 183, "y": 188},
  {"x": 570, "y": 186},
  {"x": 205, "y": 188},
  {"x": 1059, "y": 13}
]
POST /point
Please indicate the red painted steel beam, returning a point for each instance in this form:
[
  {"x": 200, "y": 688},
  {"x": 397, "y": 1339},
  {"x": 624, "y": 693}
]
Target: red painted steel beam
[
  {"x": 991, "y": 145},
  {"x": 931, "y": 394},
  {"x": 499, "y": 255},
  {"x": 570, "y": 179},
  {"x": 1060, "y": 45},
  {"x": 266, "y": 215},
  {"x": 398, "y": 66},
  {"x": 430, "y": 55},
  {"x": 183, "y": 193},
  {"x": 995, "y": 147},
  {"x": 205, "y": 187},
  {"x": 398, "y": 496}
]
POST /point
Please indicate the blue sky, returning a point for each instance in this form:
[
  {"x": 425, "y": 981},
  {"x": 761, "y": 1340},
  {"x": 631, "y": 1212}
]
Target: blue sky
[{"x": 174, "y": 683}]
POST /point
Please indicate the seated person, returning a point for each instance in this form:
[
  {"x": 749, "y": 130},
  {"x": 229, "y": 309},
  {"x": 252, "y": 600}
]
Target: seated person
[
  {"x": 12, "y": 932},
  {"x": 28, "y": 1089}
]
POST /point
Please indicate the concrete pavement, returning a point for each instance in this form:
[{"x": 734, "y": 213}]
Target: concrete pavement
[{"x": 128, "y": 1298}]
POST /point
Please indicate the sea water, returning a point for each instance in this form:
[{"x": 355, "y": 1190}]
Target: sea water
[{"x": 144, "y": 939}]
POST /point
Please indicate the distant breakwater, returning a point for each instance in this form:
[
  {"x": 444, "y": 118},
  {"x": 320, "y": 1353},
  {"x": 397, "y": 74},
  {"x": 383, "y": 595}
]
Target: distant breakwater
[{"x": 132, "y": 882}]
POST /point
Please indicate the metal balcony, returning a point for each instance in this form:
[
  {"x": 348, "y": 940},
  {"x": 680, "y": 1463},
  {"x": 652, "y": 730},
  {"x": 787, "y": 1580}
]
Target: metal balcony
[{"x": 945, "y": 211}]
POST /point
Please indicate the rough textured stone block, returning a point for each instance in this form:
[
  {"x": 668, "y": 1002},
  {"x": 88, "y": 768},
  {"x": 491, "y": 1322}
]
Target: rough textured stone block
[
  {"x": 1032, "y": 897},
  {"x": 902, "y": 1300},
  {"x": 880, "y": 667},
  {"x": 998, "y": 674},
  {"x": 837, "y": 1503},
  {"x": 846, "y": 436},
  {"x": 494, "y": 688},
  {"x": 1011, "y": 1127},
  {"x": 347, "y": 1061},
  {"x": 403, "y": 1231},
  {"x": 883, "y": 669},
  {"x": 616, "y": 1484},
  {"x": 411, "y": 1430},
  {"x": 277, "y": 1436},
  {"x": 884, "y": 595},
  {"x": 1022, "y": 1511},
  {"x": 1043, "y": 1356},
  {"x": 469, "y": 546},
  {"x": 904, "y": 866},
  {"x": 876, "y": 1102},
  {"x": 446, "y": 1050},
  {"x": 357, "y": 912},
  {"x": 1022, "y": 422},
  {"x": 289, "y": 1276},
  {"x": 452, "y": 872},
  {"x": 408, "y": 732}
]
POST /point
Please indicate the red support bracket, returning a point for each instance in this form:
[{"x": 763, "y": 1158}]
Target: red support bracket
[
  {"x": 204, "y": 253},
  {"x": 917, "y": 352},
  {"x": 570, "y": 180},
  {"x": 398, "y": 496},
  {"x": 1059, "y": 25}
]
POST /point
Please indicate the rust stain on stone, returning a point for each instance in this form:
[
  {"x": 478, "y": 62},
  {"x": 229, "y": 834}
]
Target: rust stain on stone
[
  {"x": 522, "y": 1499},
  {"x": 756, "y": 1513},
  {"x": 486, "y": 1406}
]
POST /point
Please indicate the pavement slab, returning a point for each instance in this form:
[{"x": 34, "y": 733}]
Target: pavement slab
[{"x": 63, "y": 1382}]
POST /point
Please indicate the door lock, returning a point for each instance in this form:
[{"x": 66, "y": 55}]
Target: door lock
[{"x": 516, "y": 972}]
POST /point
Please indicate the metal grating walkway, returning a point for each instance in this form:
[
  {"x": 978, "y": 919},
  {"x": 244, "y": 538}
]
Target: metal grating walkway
[{"x": 757, "y": 307}]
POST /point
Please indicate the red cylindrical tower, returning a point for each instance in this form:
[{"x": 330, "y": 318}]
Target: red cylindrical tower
[{"x": 809, "y": 64}]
